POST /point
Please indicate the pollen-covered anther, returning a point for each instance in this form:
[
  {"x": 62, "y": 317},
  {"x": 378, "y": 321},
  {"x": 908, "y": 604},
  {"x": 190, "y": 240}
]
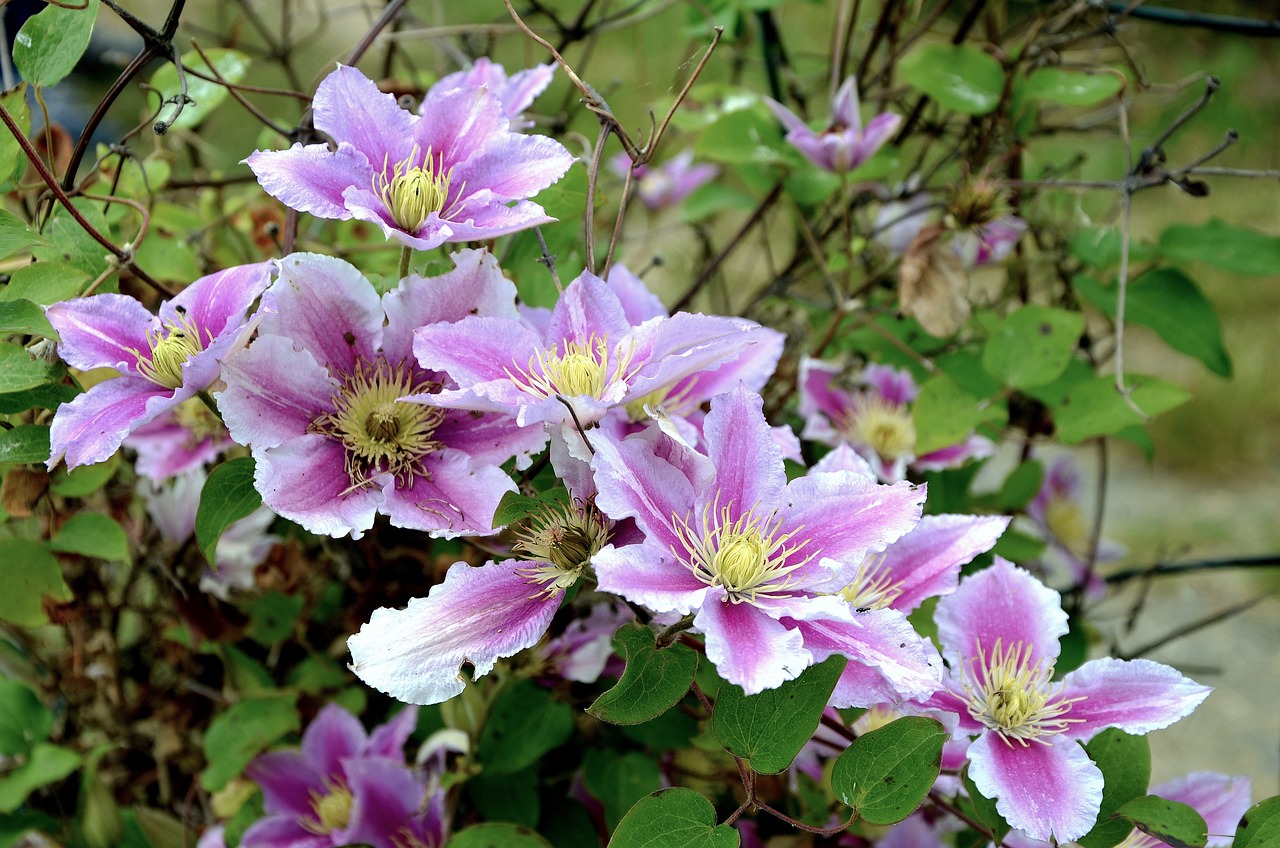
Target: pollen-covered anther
[
  {"x": 170, "y": 347},
  {"x": 561, "y": 539},
  {"x": 412, "y": 191},
  {"x": 885, "y": 427},
  {"x": 747, "y": 557},
  {"x": 1015, "y": 697},
  {"x": 872, "y": 587},
  {"x": 379, "y": 432},
  {"x": 581, "y": 368},
  {"x": 332, "y": 810}
]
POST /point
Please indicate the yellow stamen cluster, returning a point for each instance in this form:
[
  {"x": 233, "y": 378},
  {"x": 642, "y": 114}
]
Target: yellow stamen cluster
[
  {"x": 380, "y": 433},
  {"x": 873, "y": 587},
  {"x": 884, "y": 427},
  {"x": 748, "y": 558},
  {"x": 412, "y": 191},
  {"x": 170, "y": 346},
  {"x": 1014, "y": 697},
  {"x": 561, "y": 539},
  {"x": 332, "y": 810},
  {"x": 198, "y": 419},
  {"x": 582, "y": 368}
]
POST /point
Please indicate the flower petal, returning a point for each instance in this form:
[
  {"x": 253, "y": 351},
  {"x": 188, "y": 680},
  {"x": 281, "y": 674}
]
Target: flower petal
[
  {"x": 457, "y": 123},
  {"x": 311, "y": 178},
  {"x": 476, "y": 616},
  {"x": 747, "y": 646},
  {"x": 1137, "y": 696},
  {"x": 304, "y": 480},
  {"x": 457, "y": 497},
  {"x": 333, "y": 735},
  {"x": 387, "y": 740},
  {"x": 650, "y": 576},
  {"x": 219, "y": 302},
  {"x": 749, "y": 471},
  {"x": 274, "y": 392},
  {"x": 350, "y": 107},
  {"x": 888, "y": 661},
  {"x": 327, "y": 307},
  {"x": 476, "y": 350},
  {"x": 638, "y": 303},
  {"x": 588, "y": 307},
  {"x": 103, "y": 331},
  {"x": 1220, "y": 799},
  {"x": 1051, "y": 791},
  {"x": 514, "y": 166},
  {"x": 280, "y": 832},
  {"x": 287, "y": 779},
  {"x": 1004, "y": 603},
  {"x": 633, "y": 482},
  {"x": 926, "y": 561},
  {"x": 384, "y": 794},
  {"x": 92, "y": 426}
]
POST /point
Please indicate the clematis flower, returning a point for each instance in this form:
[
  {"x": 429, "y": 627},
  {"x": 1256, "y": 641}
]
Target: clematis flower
[
  {"x": 593, "y": 353},
  {"x": 184, "y": 439},
  {"x": 757, "y": 561},
  {"x": 999, "y": 633},
  {"x": 989, "y": 242},
  {"x": 316, "y": 399},
  {"x": 663, "y": 186},
  {"x": 457, "y": 173},
  {"x": 516, "y": 93},
  {"x": 584, "y": 651},
  {"x": 1058, "y": 512},
  {"x": 845, "y": 143},
  {"x": 876, "y": 420},
  {"x": 343, "y": 787},
  {"x": 163, "y": 361}
]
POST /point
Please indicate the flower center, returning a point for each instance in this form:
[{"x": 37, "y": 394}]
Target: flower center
[
  {"x": 380, "y": 433},
  {"x": 582, "y": 368},
  {"x": 872, "y": 587},
  {"x": 1067, "y": 523},
  {"x": 332, "y": 810},
  {"x": 199, "y": 420},
  {"x": 561, "y": 539},
  {"x": 1009, "y": 694},
  {"x": 413, "y": 192},
  {"x": 884, "y": 427},
  {"x": 748, "y": 557},
  {"x": 170, "y": 347}
]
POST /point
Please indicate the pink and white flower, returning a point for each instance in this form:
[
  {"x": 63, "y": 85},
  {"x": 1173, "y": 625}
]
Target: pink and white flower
[
  {"x": 317, "y": 398},
  {"x": 845, "y": 143},
  {"x": 999, "y": 633},
  {"x": 516, "y": 93},
  {"x": 666, "y": 185},
  {"x": 875, "y": 420},
  {"x": 455, "y": 173}
]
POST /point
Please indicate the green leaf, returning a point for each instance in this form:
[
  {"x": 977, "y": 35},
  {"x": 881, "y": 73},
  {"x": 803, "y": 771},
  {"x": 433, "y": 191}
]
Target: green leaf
[
  {"x": 985, "y": 809},
  {"x": 1095, "y": 407},
  {"x": 30, "y": 573},
  {"x": 50, "y": 43},
  {"x": 26, "y": 443},
  {"x": 1022, "y": 485},
  {"x": 515, "y": 506},
  {"x": 84, "y": 479},
  {"x": 228, "y": 496},
  {"x": 24, "y": 318},
  {"x": 71, "y": 243},
  {"x": 14, "y": 826},
  {"x": 959, "y": 77},
  {"x": 1169, "y": 302},
  {"x": 1033, "y": 346},
  {"x": 92, "y": 534},
  {"x": 161, "y": 829},
  {"x": 1018, "y": 547},
  {"x": 523, "y": 725},
  {"x": 1222, "y": 245},
  {"x": 47, "y": 764},
  {"x": 24, "y": 721},
  {"x": 497, "y": 835},
  {"x": 19, "y": 371},
  {"x": 742, "y": 137},
  {"x": 770, "y": 728},
  {"x": 619, "y": 781},
  {"x": 1260, "y": 827},
  {"x": 205, "y": 95},
  {"x": 673, "y": 818},
  {"x": 241, "y": 733},
  {"x": 1099, "y": 247},
  {"x": 1071, "y": 88},
  {"x": 652, "y": 682},
  {"x": 13, "y": 160},
  {"x": 885, "y": 774},
  {"x": 1171, "y": 822},
  {"x": 507, "y": 797},
  {"x": 943, "y": 414},
  {"x": 15, "y": 233},
  {"x": 45, "y": 283},
  {"x": 1125, "y": 762},
  {"x": 273, "y": 616},
  {"x": 46, "y": 396}
]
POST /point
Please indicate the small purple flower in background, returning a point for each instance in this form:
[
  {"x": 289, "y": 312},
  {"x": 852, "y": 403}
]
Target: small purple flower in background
[
  {"x": 898, "y": 222},
  {"x": 343, "y": 787},
  {"x": 989, "y": 242},
  {"x": 317, "y": 399},
  {"x": 1058, "y": 512},
  {"x": 186, "y": 438},
  {"x": 757, "y": 561},
  {"x": 663, "y": 186},
  {"x": 845, "y": 143},
  {"x": 999, "y": 632},
  {"x": 457, "y": 173},
  {"x": 584, "y": 651},
  {"x": 516, "y": 93},
  {"x": 163, "y": 361},
  {"x": 875, "y": 420}
]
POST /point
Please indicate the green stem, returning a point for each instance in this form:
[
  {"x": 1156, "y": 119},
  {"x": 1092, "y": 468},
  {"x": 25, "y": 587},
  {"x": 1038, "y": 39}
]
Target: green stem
[{"x": 406, "y": 253}]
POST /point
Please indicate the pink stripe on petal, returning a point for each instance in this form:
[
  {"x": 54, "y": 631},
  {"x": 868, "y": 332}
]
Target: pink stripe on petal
[
  {"x": 886, "y": 644},
  {"x": 219, "y": 302},
  {"x": 476, "y": 616},
  {"x": 102, "y": 331},
  {"x": 457, "y": 497},
  {"x": 1048, "y": 790},
  {"x": 277, "y": 832},
  {"x": 819, "y": 397},
  {"x": 926, "y": 561},
  {"x": 458, "y": 123},
  {"x": 476, "y": 350},
  {"x": 514, "y": 165},
  {"x": 304, "y": 481},
  {"x": 749, "y": 471},
  {"x": 648, "y": 575},
  {"x": 350, "y": 107},
  {"x": 1003, "y": 603},
  {"x": 385, "y": 794},
  {"x": 634, "y": 483},
  {"x": 1137, "y": 696},
  {"x": 747, "y": 646},
  {"x": 637, "y": 301},
  {"x": 327, "y": 307},
  {"x": 274, "y": 392},
  {"x": 287, "y": 779},
  {"x": 92, "y": 427},
  {"x": 587, "y": 308},
  {"x": 333, "y": 736},
  {"x": 312, "y": 178},
  {"x": 388, "y": 740}
]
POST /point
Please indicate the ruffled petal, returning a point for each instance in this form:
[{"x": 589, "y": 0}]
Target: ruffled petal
[
  {"x": 93, "y": 425},
  {"x": 633, "y": 482},
  {"x": 926, "y": 561},
  {"x": 1050, "y": 791},
  {"x": 274, "y": 392},
  {"x": 305, "y": 481},
  {"x": 1137, "y": 696},
  {"x": 103, "y": 331},
  {"x": 490, "y": 438},
  {"x": 350, "y": 107},
  {"x": 749, "y": 471},
  {"x": 219, "y": 302},
  {"x": 458, "y": 123},
  {"x": 588, "y": 307},
  {"x": 748, "y": 647},
  {"x": 312, "y": 178},
  {"x": 1003, "y": 603},
  {"x": 476, "y": 616},
  {"x": 456, "y": 497},
  {"x": 888, "y": 661},
  {"x": 515, "y": 166},
  {"x": 650, "y": 576},
  {"x": 327, "y": 307}
]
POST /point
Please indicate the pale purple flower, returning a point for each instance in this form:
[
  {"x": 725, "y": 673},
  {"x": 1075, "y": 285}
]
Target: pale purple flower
[
  {"x": 875, "y": 420},
  {"x": 999, "y": 632},
  {"x": 186, "y": 438},
  {"x": 989, "y": 242},
  {"x": 457, "y": 173},
  {"x": 596, "y": 351},
  {"x": 316, "y": 397},
  {"x": 163, "y": 360},
  {"x": 758, "y": 562},
  {"x": 1058, "y": 512},
  {"x": 343, "y": 787},
  {"x": 845, "y": 143},
  {"x": 898, "y": 222},
  {"x": 584, "y": 650},
  {"x": 663, "y": 186},
  {"x": 516, "y": 93}
]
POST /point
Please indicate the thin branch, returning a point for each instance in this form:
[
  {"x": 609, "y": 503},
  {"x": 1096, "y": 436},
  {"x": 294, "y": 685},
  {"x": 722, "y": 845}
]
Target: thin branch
[{"x": 1198, "y": 624}]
